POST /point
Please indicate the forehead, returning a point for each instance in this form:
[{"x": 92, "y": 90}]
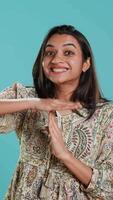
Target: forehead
[{"x": 61, "y": 39}]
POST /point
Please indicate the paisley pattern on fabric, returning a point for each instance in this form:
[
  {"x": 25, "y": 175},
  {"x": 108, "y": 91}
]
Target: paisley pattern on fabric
[{"x": 41, "y": 176}]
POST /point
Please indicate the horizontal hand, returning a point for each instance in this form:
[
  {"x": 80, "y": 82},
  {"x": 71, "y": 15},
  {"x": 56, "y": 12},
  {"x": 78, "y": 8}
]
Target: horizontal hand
[{"x": 54, "y": 104}]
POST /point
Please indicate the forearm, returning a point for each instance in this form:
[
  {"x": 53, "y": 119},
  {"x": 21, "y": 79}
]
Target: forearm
[
  {"x": 81, "y": 171},
  {"x": 16, "y": 105}
]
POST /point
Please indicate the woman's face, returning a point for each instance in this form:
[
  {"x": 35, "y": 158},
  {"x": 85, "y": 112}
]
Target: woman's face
[{"x": 63, "y": 61}]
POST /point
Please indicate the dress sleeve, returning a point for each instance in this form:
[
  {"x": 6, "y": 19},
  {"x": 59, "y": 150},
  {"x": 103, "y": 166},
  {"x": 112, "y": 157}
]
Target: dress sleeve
[
  {"x": 13, "y": 121},
  {"x": 101, "y": 184}
]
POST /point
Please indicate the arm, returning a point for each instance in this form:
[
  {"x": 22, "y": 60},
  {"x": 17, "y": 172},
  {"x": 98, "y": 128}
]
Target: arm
[
  {"x": 81, "y": 171},
  {"x": 101, "y": 178},
  {"x": 16, "y": 105},
  {"x": 15, "y": 100},
  {"x": 11, "y": 102},
  {"x": 101, "y": 184},
  {"x": 97, "y": 181},
  {"x": 10, "y": 105}
]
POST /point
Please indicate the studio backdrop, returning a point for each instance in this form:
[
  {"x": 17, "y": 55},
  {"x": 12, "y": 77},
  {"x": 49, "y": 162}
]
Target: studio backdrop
[{"x": 23, "y": 25}]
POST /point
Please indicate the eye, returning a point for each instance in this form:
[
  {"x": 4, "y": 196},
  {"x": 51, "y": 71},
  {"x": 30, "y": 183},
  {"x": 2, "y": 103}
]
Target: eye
[
  {"x": 49, "y": 53},
  {"x": 69, "y": 53}
]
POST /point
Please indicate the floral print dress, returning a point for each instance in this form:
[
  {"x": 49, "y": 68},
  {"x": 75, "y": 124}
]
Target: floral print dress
[{"x": 39, "y": 175}]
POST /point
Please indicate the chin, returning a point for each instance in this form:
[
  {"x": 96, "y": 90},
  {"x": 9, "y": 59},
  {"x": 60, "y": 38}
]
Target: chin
[{"x": 58, "y": 81}]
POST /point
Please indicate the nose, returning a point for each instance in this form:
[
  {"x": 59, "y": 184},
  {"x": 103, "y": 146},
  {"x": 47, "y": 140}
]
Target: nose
[{"x": 57, "y": 59}]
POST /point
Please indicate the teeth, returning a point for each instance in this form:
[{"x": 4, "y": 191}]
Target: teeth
[{"x": 59, "y": 69}]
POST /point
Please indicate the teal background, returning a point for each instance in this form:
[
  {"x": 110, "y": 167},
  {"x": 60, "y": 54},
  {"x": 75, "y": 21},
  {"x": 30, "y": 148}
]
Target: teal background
[{"x": 23, "y": 24}]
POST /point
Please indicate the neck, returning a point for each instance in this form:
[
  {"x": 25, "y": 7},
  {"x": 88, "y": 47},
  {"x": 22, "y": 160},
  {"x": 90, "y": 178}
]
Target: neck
[{"x": 64, "y": 92}]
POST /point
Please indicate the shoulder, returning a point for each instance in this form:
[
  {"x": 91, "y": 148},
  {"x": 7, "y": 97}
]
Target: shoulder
[
  {"x": 106, "y": 108},
  {"x": 105, "y": 113},
  {"x": 18, "y": 90},
  {"x": 23, "y": 91}
]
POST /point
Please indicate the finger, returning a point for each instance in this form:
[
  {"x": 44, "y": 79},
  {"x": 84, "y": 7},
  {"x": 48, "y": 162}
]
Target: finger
[
  {"x": 52, "y": 129},
  {"x": 76, "y": 105},
  {"x": 67, "y": 105},
  {"x": 57, "y": 124},
  {"x": 53, "y": 121},
  {"x": 60, "y": 102},
  {"x": 64, "y": 102},
  {"x": 53, "y": 125},
  {"x": 79, "y": 105}
]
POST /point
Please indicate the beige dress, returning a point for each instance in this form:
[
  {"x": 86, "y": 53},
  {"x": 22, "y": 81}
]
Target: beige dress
[{"x": 39, "y": 175}]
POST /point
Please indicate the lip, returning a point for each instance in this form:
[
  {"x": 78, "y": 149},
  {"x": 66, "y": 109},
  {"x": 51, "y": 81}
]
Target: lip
[
  {"x": 58, "y": 71},
  {"x": 57, "y": 68}
]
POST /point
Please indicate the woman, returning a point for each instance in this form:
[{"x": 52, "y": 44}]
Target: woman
[{"x": 64, "y": 124}]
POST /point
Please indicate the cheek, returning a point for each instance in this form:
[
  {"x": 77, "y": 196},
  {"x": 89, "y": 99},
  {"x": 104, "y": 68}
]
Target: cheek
[
  {"x": 46, "y": 60},
  {"x": 45, "y": 65},
  {"x": 76, "y": 65}
]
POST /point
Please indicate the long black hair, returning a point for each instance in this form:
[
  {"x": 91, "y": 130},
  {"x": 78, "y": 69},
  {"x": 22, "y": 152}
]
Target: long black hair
[{"x": 87, "y": 92}]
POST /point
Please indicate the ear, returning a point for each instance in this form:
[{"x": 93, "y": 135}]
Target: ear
[{"x": 86, "y": 65}]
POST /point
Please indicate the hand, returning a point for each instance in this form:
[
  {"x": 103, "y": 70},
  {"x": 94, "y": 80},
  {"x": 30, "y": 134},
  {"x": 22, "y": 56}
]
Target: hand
[
  {"x": 56, "y": 139},
  {"x": 54, "y": 104}
]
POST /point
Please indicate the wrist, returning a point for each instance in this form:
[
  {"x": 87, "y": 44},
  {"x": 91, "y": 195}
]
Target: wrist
[
  {"x": 33, "y": 103},
  {"x": 65, "y": 156}
]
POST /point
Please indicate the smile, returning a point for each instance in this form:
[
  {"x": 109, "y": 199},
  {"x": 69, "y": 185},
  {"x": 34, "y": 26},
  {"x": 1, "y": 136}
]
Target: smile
[{"x": 59, "y": 69}]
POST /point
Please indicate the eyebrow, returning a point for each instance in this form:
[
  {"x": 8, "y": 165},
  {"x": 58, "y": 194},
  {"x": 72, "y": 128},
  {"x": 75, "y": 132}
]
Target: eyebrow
[
  {"x": 67, "y": 44},
  {"x": 70, "y": 44}
]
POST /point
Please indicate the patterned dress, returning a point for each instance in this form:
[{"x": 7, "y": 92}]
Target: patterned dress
[{"x": 39, "y": 175}]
